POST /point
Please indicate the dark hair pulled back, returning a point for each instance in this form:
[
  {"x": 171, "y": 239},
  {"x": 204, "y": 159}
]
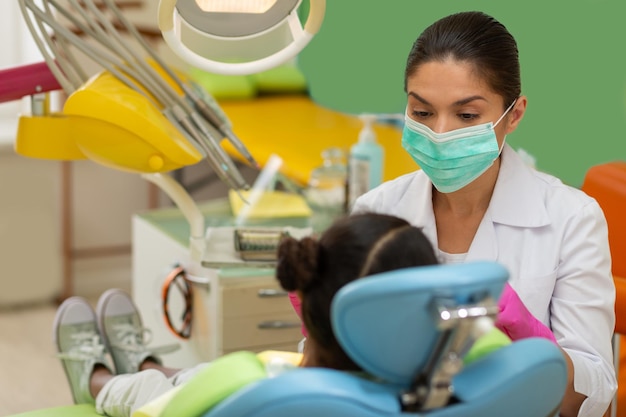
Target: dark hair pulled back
[
  {"x": 353, "y": 247},
  {"x": 297, "y": 261},
  {"x": 478, "y": 39}
]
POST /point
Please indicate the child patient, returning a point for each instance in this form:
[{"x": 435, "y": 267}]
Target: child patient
[{"x": 353, "y": 247}]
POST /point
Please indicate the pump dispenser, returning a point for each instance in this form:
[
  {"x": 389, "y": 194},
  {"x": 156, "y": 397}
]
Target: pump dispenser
[{"x": 365, "y": 164}]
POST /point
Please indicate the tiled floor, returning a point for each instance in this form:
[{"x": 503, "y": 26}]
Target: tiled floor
[{"x": 31, "y": 376}]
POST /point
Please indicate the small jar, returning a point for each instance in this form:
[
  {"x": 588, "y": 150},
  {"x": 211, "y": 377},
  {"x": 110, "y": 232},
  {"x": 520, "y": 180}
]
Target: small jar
[{"x": 326, "y": 191}]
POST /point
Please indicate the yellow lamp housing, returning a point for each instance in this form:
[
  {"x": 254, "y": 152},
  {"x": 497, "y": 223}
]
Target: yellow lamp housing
[
  {"x": 237, "y": 37},
  {"x": 47, "y": 137},
  {"x": 120, "y": 128}
]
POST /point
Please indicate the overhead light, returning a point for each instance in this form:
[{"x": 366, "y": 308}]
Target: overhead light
[
  {"x": 238, "y": 37},
  {"x": 227, "y": 6}
]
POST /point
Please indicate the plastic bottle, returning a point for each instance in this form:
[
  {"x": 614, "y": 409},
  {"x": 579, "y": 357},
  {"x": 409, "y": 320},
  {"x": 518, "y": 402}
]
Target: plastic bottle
[
  {"x": 326, "y": 191},
  {"x": 365, "y": 164}
]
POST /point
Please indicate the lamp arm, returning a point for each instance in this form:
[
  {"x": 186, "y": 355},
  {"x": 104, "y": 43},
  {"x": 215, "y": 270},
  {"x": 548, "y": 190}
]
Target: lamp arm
[
  {"x": 187, "y": 206},
  {"x": 26, "y": 80}
]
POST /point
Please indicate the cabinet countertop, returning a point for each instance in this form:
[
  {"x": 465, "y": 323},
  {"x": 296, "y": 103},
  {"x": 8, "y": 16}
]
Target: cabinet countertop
[{"x": 217, "y": 212}]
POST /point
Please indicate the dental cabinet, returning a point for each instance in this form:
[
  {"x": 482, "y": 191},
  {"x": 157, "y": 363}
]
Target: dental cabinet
[{"x": 234, "y": 308}]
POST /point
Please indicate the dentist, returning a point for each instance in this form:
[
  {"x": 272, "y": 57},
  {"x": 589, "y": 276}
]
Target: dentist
[{"x": 475, "y": 199}]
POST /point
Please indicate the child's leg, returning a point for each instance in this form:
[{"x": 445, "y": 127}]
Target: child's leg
[
  {"x": 99, "y": 378},
  {"x": 121, "y": 395},
  {"x": 184, "y": 375},
  {"x": 150, "y": 364}
]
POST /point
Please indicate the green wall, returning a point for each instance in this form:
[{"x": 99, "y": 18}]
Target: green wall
[{"x": 572, "y": 54}]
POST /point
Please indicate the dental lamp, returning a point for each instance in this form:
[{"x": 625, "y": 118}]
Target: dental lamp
[
  {"x": 137, "y": 114},
  {"x": 237, "y": 37}
]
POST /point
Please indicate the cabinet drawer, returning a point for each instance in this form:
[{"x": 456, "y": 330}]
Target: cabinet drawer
[
  {"x": 260, "y": 330},
  {"x": 257, "y": 299}
]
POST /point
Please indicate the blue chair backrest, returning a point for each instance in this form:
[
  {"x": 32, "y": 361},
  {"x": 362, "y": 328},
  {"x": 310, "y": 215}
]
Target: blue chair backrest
[{"x": 387, "y": 324}]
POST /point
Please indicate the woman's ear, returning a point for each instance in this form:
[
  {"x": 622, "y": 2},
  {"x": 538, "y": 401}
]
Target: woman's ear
[{"x": 516, "y": 114}]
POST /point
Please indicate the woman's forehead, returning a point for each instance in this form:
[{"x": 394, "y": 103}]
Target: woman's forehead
[{"x": 448, "y": 82}]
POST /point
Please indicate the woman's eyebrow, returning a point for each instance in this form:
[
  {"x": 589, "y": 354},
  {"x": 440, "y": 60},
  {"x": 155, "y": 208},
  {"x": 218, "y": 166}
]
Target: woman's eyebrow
[
  {"x": 419, "y": 98},
  {"x": 468, "y": 100},
  {"x": 457, "y": 103}
]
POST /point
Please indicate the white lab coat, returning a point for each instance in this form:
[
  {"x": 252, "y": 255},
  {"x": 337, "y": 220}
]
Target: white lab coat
[{"x": 554, "y": 241}]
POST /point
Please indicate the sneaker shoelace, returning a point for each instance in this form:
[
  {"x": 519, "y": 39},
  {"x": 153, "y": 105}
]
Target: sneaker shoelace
[
  {"x": 86, "y": 346},
  {"x": 133, "y": 341}
]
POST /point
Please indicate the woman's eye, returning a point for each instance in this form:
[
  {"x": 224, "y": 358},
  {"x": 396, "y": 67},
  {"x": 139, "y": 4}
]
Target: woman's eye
[
  {"x": 420, "y": 114},
  {"x": 468, "y": 116}
]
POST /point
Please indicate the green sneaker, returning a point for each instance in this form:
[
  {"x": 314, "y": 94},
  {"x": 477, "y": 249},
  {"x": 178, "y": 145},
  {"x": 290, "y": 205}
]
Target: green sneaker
[
  {"x": 124, "y": 335},
  {"x": 79, "y": 345}
]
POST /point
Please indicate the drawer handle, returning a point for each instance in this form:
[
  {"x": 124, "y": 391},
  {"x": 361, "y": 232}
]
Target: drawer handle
[
  {"x": 269, "y": 293},
  {"x": 277, "y": 324}
]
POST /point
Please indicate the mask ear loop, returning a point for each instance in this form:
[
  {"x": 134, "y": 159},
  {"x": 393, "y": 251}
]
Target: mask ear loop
[
  {"x": 498, "y": 121},
  {"x": 177, "y": 277},
  {"x": 505, "y": 112}
]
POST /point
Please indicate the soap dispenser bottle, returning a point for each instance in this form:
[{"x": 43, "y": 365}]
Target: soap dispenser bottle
[{"x": 365, "y": 163}]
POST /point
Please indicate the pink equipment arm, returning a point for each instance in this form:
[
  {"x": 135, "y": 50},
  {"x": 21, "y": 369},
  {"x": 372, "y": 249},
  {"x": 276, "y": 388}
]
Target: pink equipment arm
[{"x": 26, "y": 80}]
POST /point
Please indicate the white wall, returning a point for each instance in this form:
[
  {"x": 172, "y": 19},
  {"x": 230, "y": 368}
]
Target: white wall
[
  {"x": 102, "y": 200},
  {"x": 30, "y": 249},
  {"x": 20, "y": 49},
  {"x": 31, "y": 193}
]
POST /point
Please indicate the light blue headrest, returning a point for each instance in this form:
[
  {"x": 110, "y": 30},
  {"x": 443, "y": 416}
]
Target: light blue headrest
[{"x": 384, "y": 322}]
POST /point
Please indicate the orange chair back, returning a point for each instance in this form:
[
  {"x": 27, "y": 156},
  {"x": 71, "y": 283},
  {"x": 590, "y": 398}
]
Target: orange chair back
[
  {"x": 607, "y": 184},
  {"x": 620, "y": 305}
]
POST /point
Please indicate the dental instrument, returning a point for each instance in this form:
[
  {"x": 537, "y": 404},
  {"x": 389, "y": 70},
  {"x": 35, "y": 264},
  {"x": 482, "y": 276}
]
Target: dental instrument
[
  {"x": 192, "y": 113},
  {"x": 261, "y": 184}
]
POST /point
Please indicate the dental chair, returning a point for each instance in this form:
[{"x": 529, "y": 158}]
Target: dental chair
[{"x": 410, "y": 330}]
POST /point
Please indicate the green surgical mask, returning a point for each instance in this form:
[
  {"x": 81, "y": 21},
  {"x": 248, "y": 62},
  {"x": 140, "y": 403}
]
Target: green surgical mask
[{"x": 452, "y": 159}]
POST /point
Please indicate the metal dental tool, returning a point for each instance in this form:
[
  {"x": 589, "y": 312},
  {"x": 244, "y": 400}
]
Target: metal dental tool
[{"x": 190, "y": 109}]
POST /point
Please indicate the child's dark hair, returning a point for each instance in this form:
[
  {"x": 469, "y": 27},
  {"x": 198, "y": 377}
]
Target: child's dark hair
[{"x": 353, "y": 247}]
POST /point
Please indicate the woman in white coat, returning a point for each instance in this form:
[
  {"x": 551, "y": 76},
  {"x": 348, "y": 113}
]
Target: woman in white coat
[{"x": 475, "y": 198}]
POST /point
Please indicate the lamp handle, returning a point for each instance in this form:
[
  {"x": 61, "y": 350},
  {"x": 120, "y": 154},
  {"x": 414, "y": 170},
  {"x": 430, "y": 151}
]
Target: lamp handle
[
  {"x": 317, "y": 10},
  {"x": 165, "y": 15}
]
